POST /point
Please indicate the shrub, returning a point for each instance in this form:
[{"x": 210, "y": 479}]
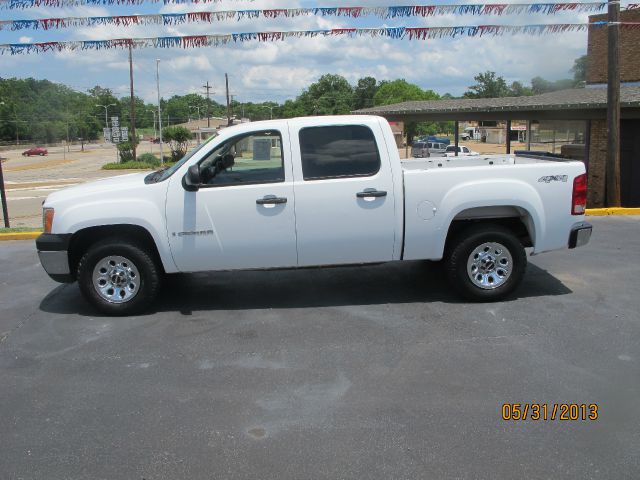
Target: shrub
[
  {"x": 178, "y": 139},
  {"x": 150, "y": 159},
  {"x": 125, "y": 149}
]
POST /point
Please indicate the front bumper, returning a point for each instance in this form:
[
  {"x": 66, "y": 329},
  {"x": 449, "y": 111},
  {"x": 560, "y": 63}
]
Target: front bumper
[
  {"x": 53, "y": 251},
  {"x": 580, "y": 235}
]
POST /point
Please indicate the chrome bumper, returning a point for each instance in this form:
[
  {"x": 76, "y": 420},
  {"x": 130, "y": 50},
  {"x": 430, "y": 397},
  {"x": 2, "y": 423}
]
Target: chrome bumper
[
  {"x": 55, "y": 263},
  {"x": 53, "y": 251},
  {"x": 580, "y": 235}
]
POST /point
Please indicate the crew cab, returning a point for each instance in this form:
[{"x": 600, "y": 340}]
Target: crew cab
[{"x": 309, "y": 192}]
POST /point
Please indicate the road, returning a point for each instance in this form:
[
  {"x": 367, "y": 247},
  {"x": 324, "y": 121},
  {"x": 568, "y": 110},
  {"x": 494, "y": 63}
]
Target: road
[
  {"x": 29, "y": 180},
  {"x": 366, "y": 373}
]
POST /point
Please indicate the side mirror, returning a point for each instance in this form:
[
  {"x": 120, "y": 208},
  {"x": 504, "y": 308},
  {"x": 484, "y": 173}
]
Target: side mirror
[{"x": 192, "y": 180}]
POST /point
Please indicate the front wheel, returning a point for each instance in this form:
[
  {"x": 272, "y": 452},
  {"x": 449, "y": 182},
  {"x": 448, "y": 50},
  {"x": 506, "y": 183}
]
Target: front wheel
[
  {"x": 486, "y": 262},
  {"x": 118, "y": 278}
]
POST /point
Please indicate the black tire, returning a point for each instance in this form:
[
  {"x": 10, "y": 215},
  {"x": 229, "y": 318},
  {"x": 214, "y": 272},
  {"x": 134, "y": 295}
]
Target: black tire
[
  {"x": 148, "y": 276},
  {"x": 459, "y": 252}
]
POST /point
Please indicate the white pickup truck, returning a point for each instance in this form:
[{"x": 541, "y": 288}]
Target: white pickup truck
[{"x": 310, "y": 192}]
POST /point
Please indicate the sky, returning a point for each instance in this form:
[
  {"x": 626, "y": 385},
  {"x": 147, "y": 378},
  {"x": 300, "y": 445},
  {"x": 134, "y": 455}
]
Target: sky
[{"x": 281, "y": 70}]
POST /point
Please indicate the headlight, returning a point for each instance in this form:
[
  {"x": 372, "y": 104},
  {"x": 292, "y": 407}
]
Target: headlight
[{"x": 47, "y": 219}]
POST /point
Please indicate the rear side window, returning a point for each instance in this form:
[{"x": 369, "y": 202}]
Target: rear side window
[{"x": 338, "y": 151}]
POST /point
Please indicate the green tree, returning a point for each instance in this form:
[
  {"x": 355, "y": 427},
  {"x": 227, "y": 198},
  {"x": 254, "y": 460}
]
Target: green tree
[
  {"x": 364, "y": 93},
  {"x": 579, "y": 69},
  {"x": 517, "y": 89},
  {"x": 398, "y": 91},
  {"x": 540, "y": 85},
  {"x": 330, "y": 95},
  {"x": 488, "y": 85}
]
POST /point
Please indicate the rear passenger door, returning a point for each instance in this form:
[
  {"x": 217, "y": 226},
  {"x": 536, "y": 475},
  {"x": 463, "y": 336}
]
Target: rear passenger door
[{"x": 344, "y": 194}]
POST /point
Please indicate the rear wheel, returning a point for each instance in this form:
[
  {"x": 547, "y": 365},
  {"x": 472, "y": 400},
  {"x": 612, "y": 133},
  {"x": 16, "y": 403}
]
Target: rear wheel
[
  {"x": 486, "y": 262},
  {"x": 118, "y": 278}
]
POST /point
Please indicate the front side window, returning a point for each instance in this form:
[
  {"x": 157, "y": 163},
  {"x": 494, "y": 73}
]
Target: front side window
[
  {"x": 245, "y": 160},
  {"x": 338, "y": 151},
  {"x": 465, "y": 149}
]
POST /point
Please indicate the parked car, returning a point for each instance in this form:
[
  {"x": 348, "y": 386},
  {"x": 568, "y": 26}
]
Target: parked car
[
  {"x": 35, "y": 151},
  {"x": 463, "y": 151},
  {"x": 420, "y": 150},
  {"x": 437, "y": 149},
  {"x": 336, "y": 193}
]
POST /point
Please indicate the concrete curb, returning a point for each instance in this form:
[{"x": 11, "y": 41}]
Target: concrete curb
[
  {"x": 19, "y": 236},
  {"x": 613, "y": 211}
]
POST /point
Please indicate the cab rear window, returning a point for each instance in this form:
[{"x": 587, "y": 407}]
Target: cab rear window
[{"x": 338, "y": 151}]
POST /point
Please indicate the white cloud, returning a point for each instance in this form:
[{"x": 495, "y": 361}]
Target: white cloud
[{"x": 259, "y": 71}]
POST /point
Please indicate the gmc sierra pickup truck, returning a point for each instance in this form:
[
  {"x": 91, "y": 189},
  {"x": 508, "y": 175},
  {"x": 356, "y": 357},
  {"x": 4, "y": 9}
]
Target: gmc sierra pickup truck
[{"x": 310, "y": 192}]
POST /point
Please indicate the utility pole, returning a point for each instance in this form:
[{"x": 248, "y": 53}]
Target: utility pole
[
  {"x": 159, "y": 109},
  {"x": 208, "y": 88},
  {"x": 613, "y": 105},
  {"x": 134, "y": 139},
  {"x": 3, "y": 197},
  {"x": 233, "y": 98},
  {"x": 226, "y": 81}
]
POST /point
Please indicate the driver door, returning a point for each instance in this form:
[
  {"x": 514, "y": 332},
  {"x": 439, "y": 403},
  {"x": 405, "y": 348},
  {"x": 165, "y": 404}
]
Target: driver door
[{"x": 242, "y": 216}]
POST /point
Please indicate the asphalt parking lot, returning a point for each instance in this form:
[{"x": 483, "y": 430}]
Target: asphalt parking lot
[{"x": 373, "y": 372}]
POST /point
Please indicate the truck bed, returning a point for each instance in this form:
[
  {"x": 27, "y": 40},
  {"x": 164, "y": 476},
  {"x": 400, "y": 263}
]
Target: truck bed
[{"x": 481, "y": 161}]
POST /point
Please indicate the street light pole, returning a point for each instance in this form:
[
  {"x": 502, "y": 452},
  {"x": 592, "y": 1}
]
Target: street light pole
[
  {"x": 270, "y": 111},
  {"x": 106, "y": 113},
  {"x": 159, "y": 109},
  {"x": 197, "y": 108}
]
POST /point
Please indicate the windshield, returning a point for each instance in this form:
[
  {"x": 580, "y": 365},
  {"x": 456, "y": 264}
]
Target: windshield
[{"x": 163, "y": 174}]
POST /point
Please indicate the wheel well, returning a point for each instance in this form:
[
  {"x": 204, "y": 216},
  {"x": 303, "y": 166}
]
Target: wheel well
[
  {"x": 516, "y": 224},
  {"x": 83, "y": 239}
]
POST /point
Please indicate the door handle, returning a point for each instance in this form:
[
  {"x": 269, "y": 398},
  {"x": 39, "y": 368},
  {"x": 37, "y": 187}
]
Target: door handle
[
  {"x": 271, "y": 200},
  {"x": 371, "y": 193}
]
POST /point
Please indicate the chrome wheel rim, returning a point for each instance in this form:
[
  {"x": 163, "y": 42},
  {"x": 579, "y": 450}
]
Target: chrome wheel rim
[
  {"x": 116, "y": 279},
  {"x": 489, "y": 265}
]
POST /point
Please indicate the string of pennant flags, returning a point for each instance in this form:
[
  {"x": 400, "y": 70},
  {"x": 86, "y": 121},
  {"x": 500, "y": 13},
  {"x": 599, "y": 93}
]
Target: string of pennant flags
[
  {"x": 352, "y": 12},
  {"x": 24, "y": 4},
  {"x": 410, "y": 33}
]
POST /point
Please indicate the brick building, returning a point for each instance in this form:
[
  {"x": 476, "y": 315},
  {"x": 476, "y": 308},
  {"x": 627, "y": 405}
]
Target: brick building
[
  {"x": 629, "y": 51},
  {"x": 582, "y": 106},
  {"x": 629, "y": 125}
]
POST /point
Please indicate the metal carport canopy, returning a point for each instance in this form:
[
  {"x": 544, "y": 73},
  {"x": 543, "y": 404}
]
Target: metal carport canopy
[{"x": 571, "y": 104}]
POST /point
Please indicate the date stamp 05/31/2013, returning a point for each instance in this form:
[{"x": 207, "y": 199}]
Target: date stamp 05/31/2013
[{"x": 550, "y": 411}]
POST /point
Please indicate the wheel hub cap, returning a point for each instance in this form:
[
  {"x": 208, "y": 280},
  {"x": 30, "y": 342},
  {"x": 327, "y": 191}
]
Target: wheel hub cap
[
  {"x": 489, "y": 265},
  {"x": 116, "y": 279}
]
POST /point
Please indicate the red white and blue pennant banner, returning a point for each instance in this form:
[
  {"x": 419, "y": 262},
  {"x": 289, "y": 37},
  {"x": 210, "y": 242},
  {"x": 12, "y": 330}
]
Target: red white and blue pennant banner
[
  {"x": 22, "y": 4},
  {"x": 194, "y": 41},
  {"x": 352, "y": 12}
]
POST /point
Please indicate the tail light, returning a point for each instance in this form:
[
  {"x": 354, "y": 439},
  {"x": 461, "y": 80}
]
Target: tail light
[{"x": 579, "y": 196}]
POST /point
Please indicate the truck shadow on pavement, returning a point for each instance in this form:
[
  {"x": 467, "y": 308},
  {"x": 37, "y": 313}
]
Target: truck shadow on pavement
[{"x": 399, "y": 282}]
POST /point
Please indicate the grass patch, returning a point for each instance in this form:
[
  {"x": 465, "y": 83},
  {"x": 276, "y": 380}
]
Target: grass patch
[
  {"x": 19, "y": 229},
  {"x": 127, "y": 166},
  {"x": 135, "y": 166}
]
